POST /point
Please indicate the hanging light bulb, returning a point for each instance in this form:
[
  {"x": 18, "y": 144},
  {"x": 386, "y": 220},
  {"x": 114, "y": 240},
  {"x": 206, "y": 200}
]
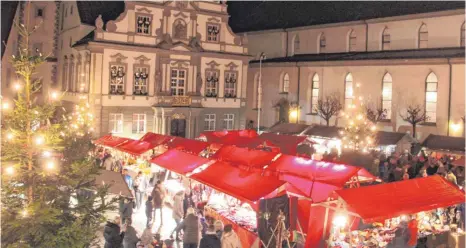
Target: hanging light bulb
[
  {"x": 50, "y": 165},
  {"x": 373, "y": 128}
]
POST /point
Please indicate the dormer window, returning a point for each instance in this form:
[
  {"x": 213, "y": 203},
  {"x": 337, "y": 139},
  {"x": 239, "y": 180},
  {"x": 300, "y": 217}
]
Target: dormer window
[
  {"x": 143, "y": 24},
  {"x": 213, "y": 31}
]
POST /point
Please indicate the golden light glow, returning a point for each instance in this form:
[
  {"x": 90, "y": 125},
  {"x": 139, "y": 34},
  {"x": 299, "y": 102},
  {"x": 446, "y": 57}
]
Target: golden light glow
[
  {"x": 54, "y": 95},
  {"x": 39, "y": 140},
  {"x": 360, "y": 117},
  {"x": 47, "y": 154},
  {"x": 373, "y": 128},
  {"x": 10, "y": 170},
  {"x": 24, "y": 213},
  {"x": 294, "y": 114},
  {"x": 6, "y": 105},
  {"x": 455, "y": 127},
  {"x": 10, "y": 136},
  {"x": 50, "y": 165},
  {"x": 339, "y": 221},
  {"x": 17, "y": 86}
]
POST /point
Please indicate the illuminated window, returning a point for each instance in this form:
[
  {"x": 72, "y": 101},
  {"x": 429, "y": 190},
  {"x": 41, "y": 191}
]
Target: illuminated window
[
  {"x": 462, "y": 35},
  {"x": 209, "y": 122},
  {"x": 352, "y": 41},
  {"x": 140, "y": 80},
  {"x": 314, "y": 93},
  {"x": 115, "y": 123},
  {"x": 296, "y": 44},
  {"x": 431, "y": 97},
  {"x": 228, "y": 121},
  {"x": 387, "y": 94},
  {"x": 139, "y": 123},
  {"x": 322, "y": 43},
  {"x": 423, "y": 36},
  {"x": 211, "y": 83},
  {"x": 386, "y": 39},
  {"x": 178, "y": 79},
  {"x": 348, "y": 90},
  {"x": 286, "y": 83},
  {"x": 143, "y": 24}
]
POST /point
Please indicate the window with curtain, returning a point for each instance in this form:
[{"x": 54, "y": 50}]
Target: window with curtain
[
  {"x": 209, "y": 122},
  {"x": 139, "y": 123},
  {"x": 352, "y": 41},
  {"x": 115, "y": 123},
  {"x": 286, "y": 83},
  {"x": 322, "y": 43},
  {"x": 423, "y": 36},
  {"x": 386, "y": 39},
  {"x": 314, "y": 93},
  {"x": 462, "y": 41},
  {"x": 387, "y": 94},
  {"x": 431, "y": 97},
  {"x": 228, "y": 121},
  {"x": 349, "y": 90},
  {"x": 296, "y": 44}
]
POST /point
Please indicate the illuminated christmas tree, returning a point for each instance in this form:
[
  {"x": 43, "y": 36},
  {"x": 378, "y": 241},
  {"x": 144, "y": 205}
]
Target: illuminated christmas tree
[
  {"x": 358, "y": 134},
  {"x": 45, "y": 166}
]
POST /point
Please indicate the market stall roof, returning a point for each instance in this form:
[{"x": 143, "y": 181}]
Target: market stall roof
[
  {"x": 111, "y": 141},
  {"x": 244, "y": 185},
  {"x": 288, "y": 128},
  {"x": 287, "y": 143},
  {"x": 135, "y": 147},
  {"x": 219, "y": 136},
  {"x": 459, "y": 162},
  {"x": 178, "y": 161},
  {"x": 188, "y": 145},
  {"x": 155, "y": 139},
  {"x": 383, "y": 138},
  {"x": 115, "y": 180},
  {"x": 384, "y": 201},
  {"x": 445, "y": 143},
  {"x": 244, "y": 157},
  {"x": 329, "y": 132}
]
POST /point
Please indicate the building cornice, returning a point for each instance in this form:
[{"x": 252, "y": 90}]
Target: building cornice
[{"x": 418, "y": 16}]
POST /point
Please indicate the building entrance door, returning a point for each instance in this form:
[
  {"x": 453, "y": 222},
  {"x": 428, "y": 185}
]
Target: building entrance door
[{"x": 178, "y": 126}]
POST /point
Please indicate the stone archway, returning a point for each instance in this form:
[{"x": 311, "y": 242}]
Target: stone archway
[{"x": 178, "y": 125}]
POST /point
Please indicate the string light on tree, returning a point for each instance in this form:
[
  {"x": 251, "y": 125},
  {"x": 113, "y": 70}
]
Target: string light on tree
[
  {"x": 10, "y": 170},
  {"x": 39, "y": 140},
  {"x": 10, "y": 136},
  {"x": 50, "y": 165},
  {"x": 6, "y": 105}
]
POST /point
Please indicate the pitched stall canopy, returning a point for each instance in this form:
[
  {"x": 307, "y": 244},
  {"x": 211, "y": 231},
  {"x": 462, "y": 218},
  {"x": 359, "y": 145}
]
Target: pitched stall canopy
[
  {"x": 317, "y": 179},
  {"x": 288, "y": 144},
  {"x": 241, "y": 138},
  {"x": 188, "y": 145},
  {"x": 248, "y": 186},
  {"x": 145, "y": 144},
  {"x": 288, "y": 128},
  {"x": 155, "y": 139},
  {"x": 179, "y": 162},
  {"x": 445, "y": 143},
  {"x": 385, "y": 201},
  {"x": 244, "y": 157},
  {"x": 111, "y": 141}
]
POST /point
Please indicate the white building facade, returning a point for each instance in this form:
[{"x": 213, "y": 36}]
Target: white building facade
[{"x": 398, "y": 61}]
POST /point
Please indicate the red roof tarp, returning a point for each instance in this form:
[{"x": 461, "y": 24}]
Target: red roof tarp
[
  {"x": 135, "y": 147},
  {"x": 111, "y": 141},
  {"x": 178, "y": 161},
  {"x": 240, "y": 138},
  {"x": 384, "y": 201},
  {"x": 286, "y": 143},
  {"x": 244, "y": 185},
  {"x": 188, "y": 145},
  {"x": 244, "y": 156},
  {"x": 155, "y": 139}
]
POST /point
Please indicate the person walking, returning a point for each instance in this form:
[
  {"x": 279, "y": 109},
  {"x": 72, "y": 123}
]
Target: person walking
[
  {"x": 413, "y": 230},
  {"x": 127, "y": 211},
  {"x": 131, "y": 238},
  {"x": 113, "y": 235},
  {"x": 178, "y": 211},
  {"x": 402, "y": 236},
  {"x": 158, "y": 194},
  {"x": 210, "y": 240},
  {"x": 191, "y": 227},
  {"x": 128, "y": 179},
  {"x": 139, "y": 186},
  {"x": 230, "y": 238},
  {"x": 149, "y": 210},
  {"x": 218, "y": 225}
]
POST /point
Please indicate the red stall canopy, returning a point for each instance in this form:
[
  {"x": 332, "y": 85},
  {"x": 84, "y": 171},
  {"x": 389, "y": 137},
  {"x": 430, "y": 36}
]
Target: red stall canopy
[
  {"x": 287, "y": 143},
  {"x": 248, "y": 186},
  {"x": 178, "y": 161},
  {"x": 244, "y": 156},
  {"x": 155, "y": 139},
  {"x": 384, "y": 201},
  {"x": 135, "y": 147},
  {"x": 234, "y": 137},
  {"x": 188, "y": 145},
  {"x": 111, "y": 141}
]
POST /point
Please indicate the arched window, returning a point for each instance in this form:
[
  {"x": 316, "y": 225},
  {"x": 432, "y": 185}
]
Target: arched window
[
  {"x": 386, "y": 39},
  {"x": 286, "y": 83},
  {"x": 462, "y": 41},
  {"x": 387, "y": 94},
  {"x": 322, "y": 43},
  {"x": 296, "y": 45},
  {"x": 349, "y": 90},
  {"x": 352, "y": 41},
  {"x": 431, "y": 97},
  {"x": 423, "y": 36},
  {"x": 314, "y": 93}
]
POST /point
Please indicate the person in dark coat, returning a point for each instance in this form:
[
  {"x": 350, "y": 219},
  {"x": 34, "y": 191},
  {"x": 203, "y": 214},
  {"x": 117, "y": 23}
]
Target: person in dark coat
[
  {"x": 191, "y": 227},
  {"x": 131, "y": 236},
  {"x": 210, "y": 240},
  {"x": 158, "y": 195},
  {"x": 113, "y": 235},
  {"x": 127, "y": 211},
  {"x": 149, "y": 210}
]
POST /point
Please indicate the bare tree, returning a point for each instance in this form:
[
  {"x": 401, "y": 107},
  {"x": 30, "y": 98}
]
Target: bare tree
[
  {"x": 414, "y": 115},
  {"x": 375, "y": 113},
  {"x": 328, "y": 107}
]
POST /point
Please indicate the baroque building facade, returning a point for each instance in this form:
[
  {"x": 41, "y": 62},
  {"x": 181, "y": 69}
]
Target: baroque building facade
[
  {"x": 168, "y": 67},
  {"x": 399, "y": 61}
]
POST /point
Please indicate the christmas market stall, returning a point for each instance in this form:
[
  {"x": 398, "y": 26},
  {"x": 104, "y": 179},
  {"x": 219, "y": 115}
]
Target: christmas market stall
[
  {"x": 326, "y": 138},
  {"x": 390, "y": 142},
  {"x": 439, "y": 145},
  {"x": 111, "y": 141},
  {"x": 376, "y": 216}
]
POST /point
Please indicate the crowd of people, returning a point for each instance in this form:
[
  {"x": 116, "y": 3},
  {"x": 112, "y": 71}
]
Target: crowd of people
[{"x": 193, "y": 228}]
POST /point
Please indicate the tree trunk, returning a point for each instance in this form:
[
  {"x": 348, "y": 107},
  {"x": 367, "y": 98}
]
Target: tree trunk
[
  {"x": 414, "y": 130},
  {"x": 328, "y": 122}
]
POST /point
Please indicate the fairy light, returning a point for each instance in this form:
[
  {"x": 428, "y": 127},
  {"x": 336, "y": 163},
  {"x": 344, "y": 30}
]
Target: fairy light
[
  {"x": 10, "y": 136},
  {"x": 50, "y": 165},
  {"x": 54, "y": 95},
  {"x": 5, "y": 105},
  {"x": 39, "y": 140},
  {"x": 10, "y": 170},
  {"x": 24, "y": 213},
  {"x": 17, "y": 86},
  {"x": 47, "y": 154}
]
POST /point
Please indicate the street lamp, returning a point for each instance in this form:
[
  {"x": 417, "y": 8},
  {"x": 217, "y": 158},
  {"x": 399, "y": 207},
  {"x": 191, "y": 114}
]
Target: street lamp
[{"x": 259, "y": 92}]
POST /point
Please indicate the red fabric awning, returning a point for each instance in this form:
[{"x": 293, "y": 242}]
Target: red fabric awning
[
  {"x": 287, "y": 143},
  {"x": 188, "y": 145},
  {"x": 233, "y": 137},
  {"x": 248, "y": 186},
  {"x": 111, "y": 141},
  {"x": 244, "y": 156},
  {"x": 178, "y": 161},
  {"x": 135, "y": 147},
  {"x": 155, "y": 139},
  {"x": 384, "y": 201}
]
